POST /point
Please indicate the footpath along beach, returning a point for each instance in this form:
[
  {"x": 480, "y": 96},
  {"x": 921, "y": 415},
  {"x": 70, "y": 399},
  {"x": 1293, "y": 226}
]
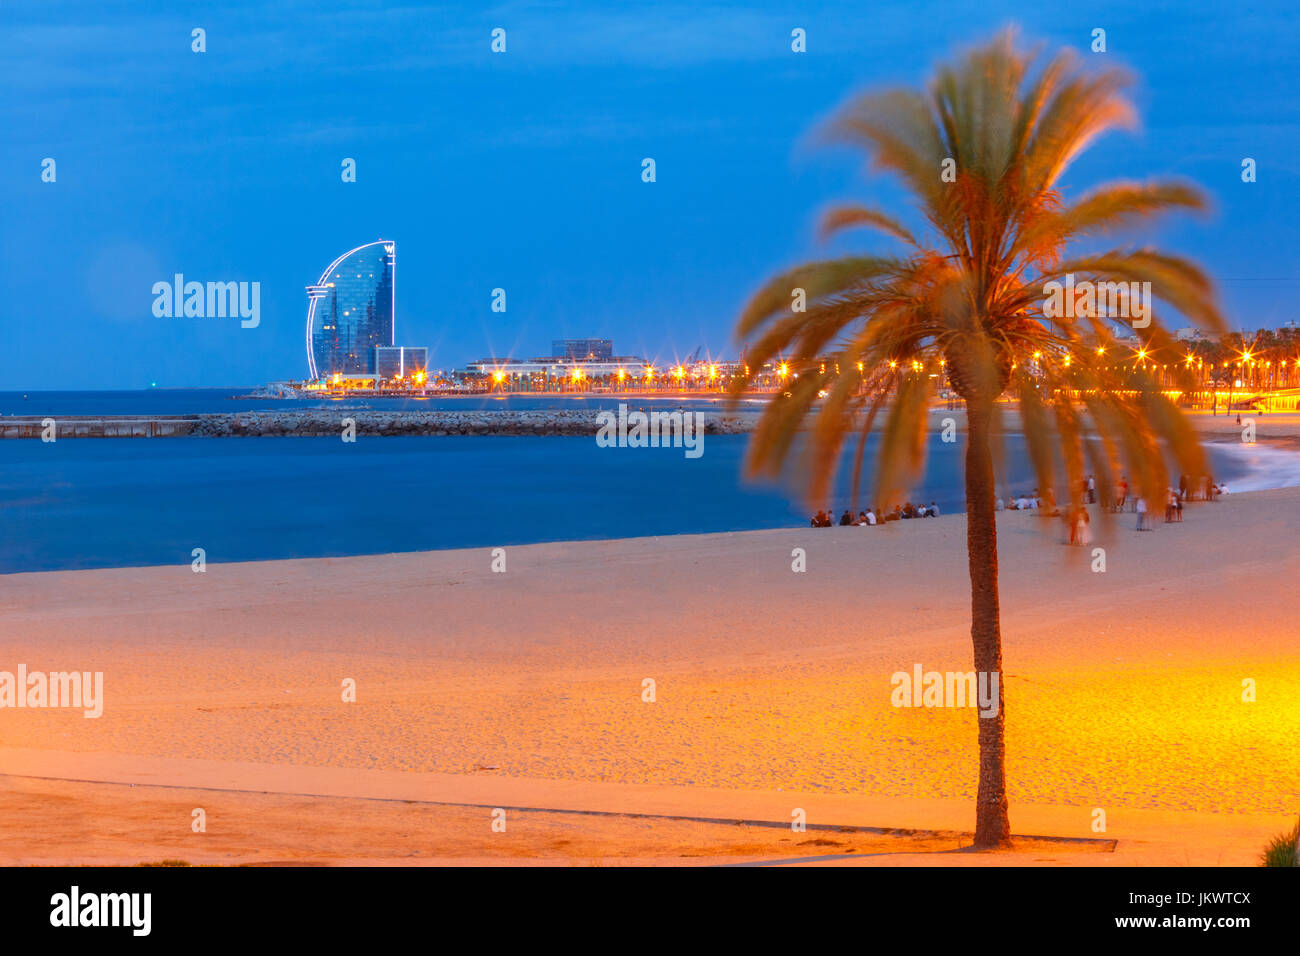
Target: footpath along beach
[{"x": 478, "y": 690}]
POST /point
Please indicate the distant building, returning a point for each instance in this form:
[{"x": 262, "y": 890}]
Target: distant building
[
  {"x": 513, "y": 370},
  {"x": 398, "y": 361},
  {"x": 350, "y": 311},
  {"x": 583, "y": 350},
  {"x": 1190, "y": 335}
]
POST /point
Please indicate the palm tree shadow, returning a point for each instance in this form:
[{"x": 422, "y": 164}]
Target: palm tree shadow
[{"x": 840, "y": 857}]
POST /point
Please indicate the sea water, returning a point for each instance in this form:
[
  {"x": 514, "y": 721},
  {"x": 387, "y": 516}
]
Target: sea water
[{"x": 93, "y": 503}]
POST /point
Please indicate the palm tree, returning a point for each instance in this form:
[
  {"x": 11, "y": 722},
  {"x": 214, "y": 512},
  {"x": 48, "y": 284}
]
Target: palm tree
[{"x": 982, "y": 152}]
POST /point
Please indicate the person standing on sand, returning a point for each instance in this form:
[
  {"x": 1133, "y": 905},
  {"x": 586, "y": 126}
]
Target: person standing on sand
[
  {"x": 1141, "y": 507},
  {"x": 1079, "y": 533}
]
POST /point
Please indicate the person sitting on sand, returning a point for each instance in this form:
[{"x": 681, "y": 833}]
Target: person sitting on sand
[
  {"x": 869, "y": 517},
  {"x": 934, "y": 510},
  {"x": 846, "y": 519},
  {"x": 998, "y": 505}
]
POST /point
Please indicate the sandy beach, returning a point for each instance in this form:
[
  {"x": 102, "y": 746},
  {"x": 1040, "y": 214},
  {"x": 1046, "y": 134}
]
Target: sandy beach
[{"x": 1123, "y": 690}]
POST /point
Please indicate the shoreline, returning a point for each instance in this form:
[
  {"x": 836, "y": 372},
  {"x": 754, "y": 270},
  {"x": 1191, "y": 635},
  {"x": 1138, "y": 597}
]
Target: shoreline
[
  {"x": 1054, "y": 524},
  {"x": 1247, "y": 469}
]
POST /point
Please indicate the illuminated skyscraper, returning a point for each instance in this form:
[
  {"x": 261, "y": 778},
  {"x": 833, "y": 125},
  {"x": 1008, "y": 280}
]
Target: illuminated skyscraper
[{"x": 351, "y": 311}]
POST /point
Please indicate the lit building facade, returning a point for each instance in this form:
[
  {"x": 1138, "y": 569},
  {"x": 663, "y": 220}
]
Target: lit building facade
[
  {"x": 350, "y": 312},
  {"x": 400, "y": 361},
  {"x": 583, "y": 350}
]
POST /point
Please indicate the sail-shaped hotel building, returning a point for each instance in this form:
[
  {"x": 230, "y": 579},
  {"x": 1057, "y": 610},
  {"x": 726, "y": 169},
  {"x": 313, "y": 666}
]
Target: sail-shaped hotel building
[{"x": 351, "y": 312}]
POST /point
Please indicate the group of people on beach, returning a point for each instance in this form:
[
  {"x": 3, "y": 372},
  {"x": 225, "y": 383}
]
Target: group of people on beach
[
  {"x": 1202, "y": 487},
  {"x": 873, "y": 516},
  {"x": 1030, "y": 502}
]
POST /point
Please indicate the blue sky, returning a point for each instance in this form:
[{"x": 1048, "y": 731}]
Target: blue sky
[{"x": 522, "y": 170}]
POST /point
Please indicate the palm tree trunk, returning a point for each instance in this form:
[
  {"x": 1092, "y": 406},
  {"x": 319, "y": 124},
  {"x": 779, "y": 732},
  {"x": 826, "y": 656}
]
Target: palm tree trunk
[{"x": 992, "y": 826}]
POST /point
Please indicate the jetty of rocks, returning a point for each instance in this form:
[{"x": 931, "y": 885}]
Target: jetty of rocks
[{"x": 332, "y": 422}]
